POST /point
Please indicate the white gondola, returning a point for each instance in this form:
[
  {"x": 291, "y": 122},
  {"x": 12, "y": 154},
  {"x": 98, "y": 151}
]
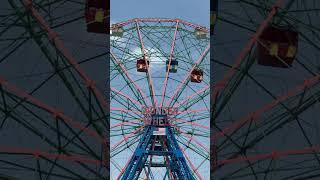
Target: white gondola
[{"x": 117, "y": 32}]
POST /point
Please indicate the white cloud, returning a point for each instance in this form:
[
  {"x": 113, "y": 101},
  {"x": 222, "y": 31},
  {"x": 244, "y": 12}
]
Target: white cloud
[{"x": 154, "y": 56}]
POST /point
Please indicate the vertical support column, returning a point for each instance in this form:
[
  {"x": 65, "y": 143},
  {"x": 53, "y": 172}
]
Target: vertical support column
[
  {"x": 140, "y": 155},
  {"x": 178, "y": 164}
]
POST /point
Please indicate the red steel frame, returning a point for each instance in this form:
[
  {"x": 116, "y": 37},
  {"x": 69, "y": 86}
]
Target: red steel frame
[
  {"x": 154, "y": 103},
  {"x": 254, "y": 116},
  {"x": 57, "y": 114},
  {"x": 220, "y": 85}
]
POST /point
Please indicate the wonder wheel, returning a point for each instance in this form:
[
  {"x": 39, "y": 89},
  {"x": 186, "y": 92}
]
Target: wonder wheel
[
  {"x": 160, "y": 85},
  {"x": 265, "y": 100},
  {"x": 53, "y": 71}
]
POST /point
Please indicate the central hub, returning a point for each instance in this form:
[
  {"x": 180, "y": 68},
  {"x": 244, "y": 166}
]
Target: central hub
[{"x": 158, "y": 116}]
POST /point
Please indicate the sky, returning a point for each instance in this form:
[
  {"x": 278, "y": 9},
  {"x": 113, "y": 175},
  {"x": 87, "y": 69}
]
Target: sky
[{"x": 190, "y": 10}]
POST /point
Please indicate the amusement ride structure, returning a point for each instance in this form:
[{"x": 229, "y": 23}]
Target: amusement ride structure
[
  {"x": 160, "y": 99},
  {"x": 53, "y": 106},
  {"x": 265, "y": 96},
  {"x": 259, "y": 122}
]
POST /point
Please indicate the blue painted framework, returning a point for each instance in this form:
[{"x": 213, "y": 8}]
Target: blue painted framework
[{"x": 178, "y": 165}]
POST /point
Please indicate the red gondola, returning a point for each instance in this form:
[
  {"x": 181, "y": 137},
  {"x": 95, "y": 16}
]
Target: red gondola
[
  {"x": 96, "y": 14},
  {"x": 277, "y": 47},
  {"x": 142, "y": 66},
  {"x": 196, "y": 76}
]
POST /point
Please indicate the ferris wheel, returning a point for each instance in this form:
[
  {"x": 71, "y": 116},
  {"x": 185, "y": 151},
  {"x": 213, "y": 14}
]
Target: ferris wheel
[
  {"x": 159, "y": 78},
  {"x": 53, "y": 110},
  {"x": 265, "y": 98},
  {"x": 264, "y": 119}
]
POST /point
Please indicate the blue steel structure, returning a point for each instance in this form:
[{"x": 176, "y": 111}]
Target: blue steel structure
[{"x": 152, "y": 144}]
